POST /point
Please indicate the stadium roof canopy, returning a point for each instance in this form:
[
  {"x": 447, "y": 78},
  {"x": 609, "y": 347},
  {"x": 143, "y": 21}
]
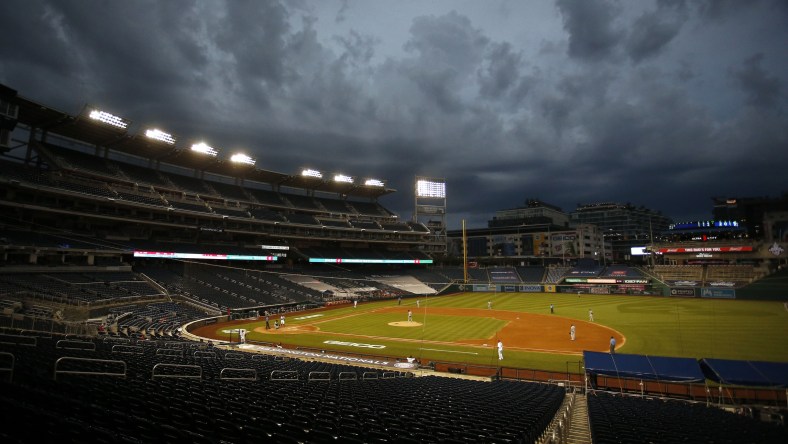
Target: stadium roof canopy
[
  {"x": 652, "y": 368},
  {"x": 84, "y": 129},
  {"x": 748, "y": 373}
]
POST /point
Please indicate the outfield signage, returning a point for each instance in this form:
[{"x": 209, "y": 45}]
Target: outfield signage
[
  {"x": 718, "y": 293},
  {"x": 605, "y": 281},
  {"x": 739, "y": 249},
  {"x": 531, "y": 288},
  {"x": 690, "y": 292}
]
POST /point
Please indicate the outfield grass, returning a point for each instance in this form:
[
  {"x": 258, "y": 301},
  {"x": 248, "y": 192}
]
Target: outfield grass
[{"x": 696, "y": 328}]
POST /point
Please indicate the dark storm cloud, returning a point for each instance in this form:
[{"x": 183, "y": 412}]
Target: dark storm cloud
[
  {"x": 659, "y": 103},
  {"x": 500, "y": 72},
  {"x": 590, "y": 24},
  {"x": 446, "y": 50},
  {"x": 255, "y": 41},
  {"x": 762, "y": 90},
  {"x": 651, "y": 32}
]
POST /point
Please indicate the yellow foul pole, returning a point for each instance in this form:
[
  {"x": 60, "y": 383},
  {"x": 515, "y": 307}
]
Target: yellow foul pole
[{"x": 464, "y": 254}]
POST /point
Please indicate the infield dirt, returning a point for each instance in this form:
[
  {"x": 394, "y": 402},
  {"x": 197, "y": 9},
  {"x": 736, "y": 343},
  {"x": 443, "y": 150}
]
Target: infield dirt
[{"x": 523, "y": 331}]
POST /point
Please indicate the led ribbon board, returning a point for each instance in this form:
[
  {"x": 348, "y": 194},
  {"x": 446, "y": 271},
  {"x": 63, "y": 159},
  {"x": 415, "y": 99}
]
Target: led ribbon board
[{"x": 229, "y": 257}]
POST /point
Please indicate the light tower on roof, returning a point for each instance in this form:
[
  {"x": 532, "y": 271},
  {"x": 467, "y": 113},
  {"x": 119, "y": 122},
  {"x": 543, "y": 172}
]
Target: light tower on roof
[{"x": 430, "y": 209}]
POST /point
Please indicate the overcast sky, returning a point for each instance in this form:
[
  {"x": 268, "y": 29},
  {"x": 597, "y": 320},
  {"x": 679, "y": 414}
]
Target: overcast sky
[{"x": 664, "y": 104}]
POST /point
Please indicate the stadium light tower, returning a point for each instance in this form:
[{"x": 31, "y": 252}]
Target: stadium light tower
[
  {"x": 308, "y": 172},
  {"x": 430, "y": 204},
  {"x": 374, "y": 183},
  {"x": 107, "y": 118},
  {"x": 343, "y": 178},
  {"x": 157, "y": 134},
  {"x": 242, "y": 159},
  {"x": 204, "y": 148}
]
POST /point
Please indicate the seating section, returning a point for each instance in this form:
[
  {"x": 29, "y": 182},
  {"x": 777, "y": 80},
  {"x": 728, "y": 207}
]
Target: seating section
[
  {"x": 198, "y": 206},
  {"x": 531, "y": 274},
  {"x": 179, "y": 392},
  {"x": 730, "y": 275},
  {"x": 223, "y": 288},
  {"x": 587, "y": 270},
  {"x": 556, "y": 274},
  {"x": 229, "y": 191},
  {"x": 334, "y": 205},
  {"x": 628, "y": 419},
  {"x": 156, "y": 320},
  {"x": 622, "y": 271},
  {"x": 369, "y": 208},
  {"x": 79, "y": 288},
  {"x": 673, "y": 273},
  {"x": 502, "y": 275},
  {"x": 267, "y": 197}
]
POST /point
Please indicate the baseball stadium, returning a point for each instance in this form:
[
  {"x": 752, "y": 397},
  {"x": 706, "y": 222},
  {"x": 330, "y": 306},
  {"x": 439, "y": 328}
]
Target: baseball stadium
[{"x": 156, "y": 291}]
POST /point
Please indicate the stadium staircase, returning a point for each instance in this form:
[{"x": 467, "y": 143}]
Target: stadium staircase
[{"x": 579, "y": 431}]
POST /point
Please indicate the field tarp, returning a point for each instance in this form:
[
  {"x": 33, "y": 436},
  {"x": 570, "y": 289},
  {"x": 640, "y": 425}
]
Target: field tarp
[
  {"x": 652, "y": 368},
  {"x": 747, "y": 373}
]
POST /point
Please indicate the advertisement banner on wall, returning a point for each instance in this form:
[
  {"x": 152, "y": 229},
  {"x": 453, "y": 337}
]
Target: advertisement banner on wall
[
  {"x": 531, "y": 288},
  {"x": 562, "y": 244},
  {"x": 549, "y": 288},
  {"x": 484, "y": 287},
  {"x": 683, "y": 292},
  {"x": 718, "y": 293},
  {"x": 599, "y": 290}
]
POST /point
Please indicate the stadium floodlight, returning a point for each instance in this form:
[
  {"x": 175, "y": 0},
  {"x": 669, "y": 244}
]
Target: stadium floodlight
[
  {"x": 373, "y": 183},
  {"x": 343, "y": 178},
  {"x": 242, "y": 158},
  {"x": 160, "y": 135},
  {"x": 429, "y": 188},
  {"x": 109, "y": 119},
  {"x": 312, "y": 173},
  {"x": 204, "y": 148}
]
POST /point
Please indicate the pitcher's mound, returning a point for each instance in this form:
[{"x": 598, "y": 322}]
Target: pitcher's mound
[{"x": 405, "y": 324}]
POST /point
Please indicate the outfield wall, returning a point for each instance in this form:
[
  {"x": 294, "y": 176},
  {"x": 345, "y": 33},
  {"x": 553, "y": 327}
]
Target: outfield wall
[{"x": 687, "y": 292}]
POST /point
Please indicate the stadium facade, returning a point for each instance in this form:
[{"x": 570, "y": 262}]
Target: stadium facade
[{"x": 88, "y": 178}]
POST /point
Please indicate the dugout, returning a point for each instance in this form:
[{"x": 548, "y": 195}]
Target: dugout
[
  {"x": 743, "y": 381},
  {"x": 665, "y": 376},
  {"x": 746, "y": 373}
]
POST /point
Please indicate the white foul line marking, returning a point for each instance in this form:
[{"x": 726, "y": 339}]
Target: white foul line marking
[{"x": 447, "y": 351}]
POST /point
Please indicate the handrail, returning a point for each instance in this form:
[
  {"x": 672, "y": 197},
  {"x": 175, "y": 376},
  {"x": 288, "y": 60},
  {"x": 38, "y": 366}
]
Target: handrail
[
  {"x": 32, "y": 341},
  {"x": 10, "y": 370},
  {"x": 316, "y": 376},
  {"x": 164, "y": 365},
  {"x": 75, "y": 345},
  {"x": 348, "y": 376},
  {"x": 82, "y": 372},
  {"x": 229, "y": 369}
]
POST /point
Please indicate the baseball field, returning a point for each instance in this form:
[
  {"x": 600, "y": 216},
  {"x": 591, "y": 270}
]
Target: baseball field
[{"x": 463, "y": 328}]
